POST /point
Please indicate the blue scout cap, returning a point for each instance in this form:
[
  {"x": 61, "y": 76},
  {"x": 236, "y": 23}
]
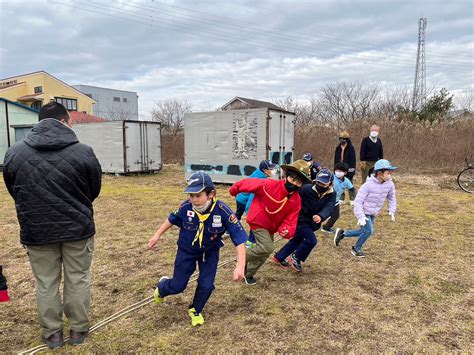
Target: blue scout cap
[
  {"x": 324, "y": 176},
  {"x": 198, "y": 182},
  {"x": 267, "y": 164},
  {"x": 307, "y": 156},
  {"x": 383, "y": 164}
]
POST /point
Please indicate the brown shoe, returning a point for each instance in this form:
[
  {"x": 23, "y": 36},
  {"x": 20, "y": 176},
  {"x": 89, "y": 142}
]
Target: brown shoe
[
  {"x": 77, "y": 338},
  {"x": 54, "y": 341}
]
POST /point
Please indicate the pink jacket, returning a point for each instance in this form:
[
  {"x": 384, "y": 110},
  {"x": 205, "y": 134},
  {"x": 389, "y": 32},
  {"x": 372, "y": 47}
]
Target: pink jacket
[{"x": 372, "y": 195}]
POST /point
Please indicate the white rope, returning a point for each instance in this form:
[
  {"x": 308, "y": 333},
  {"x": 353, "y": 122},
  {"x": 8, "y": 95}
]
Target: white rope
[{"x": 126, "y": 310}]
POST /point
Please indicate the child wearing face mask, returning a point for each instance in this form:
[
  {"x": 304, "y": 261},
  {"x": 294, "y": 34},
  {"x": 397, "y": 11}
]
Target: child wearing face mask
[
  {"x": 202, "y": 220},
  {"x": 274, "y": 209},
  {"x": 243, "y": 200},
  {"x": 341, "y": 184},
  {"x": 368, "y": 203},
  {"x": 314, "y": 166},
  {"x": 317, "y": 204}
]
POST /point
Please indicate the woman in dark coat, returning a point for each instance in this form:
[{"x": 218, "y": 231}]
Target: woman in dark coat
[{"x": 345, "y": 153}]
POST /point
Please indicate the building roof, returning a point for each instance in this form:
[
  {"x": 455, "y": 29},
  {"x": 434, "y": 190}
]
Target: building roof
[
  {"x": 42, "y": 71},
  {"x": 80, "y": 117},
  {"x": 19, "y": 105},
  {"x": 456, "y": 113},
  {"x": 102, "y": 88},
  {"x": 254, "y": 103}
]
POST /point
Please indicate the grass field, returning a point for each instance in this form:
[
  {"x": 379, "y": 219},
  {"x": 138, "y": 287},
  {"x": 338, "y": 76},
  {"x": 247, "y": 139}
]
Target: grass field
[{"x": 413, "y": 292}]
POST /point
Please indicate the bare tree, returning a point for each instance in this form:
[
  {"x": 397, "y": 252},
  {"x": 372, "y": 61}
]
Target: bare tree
[
  {"x": 171, "y": 115},
  {"x": 465, "y": 100},
  {"x": 344, "y": 102},
  {"x": 119, "y": 114}
]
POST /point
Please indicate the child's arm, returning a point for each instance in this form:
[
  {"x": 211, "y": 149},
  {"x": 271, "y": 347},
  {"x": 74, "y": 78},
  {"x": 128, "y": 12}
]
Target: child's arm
[
  {"x": 328, "y": 208},
  {"x": 359, "y": 201},
  {"x": 392, "y": 200},
  {"x": 252, "y": 185},
  {"x": 288, "y": 227},
  {"x": 239, "y": 271},
  {"x": 163, "y": 228}
]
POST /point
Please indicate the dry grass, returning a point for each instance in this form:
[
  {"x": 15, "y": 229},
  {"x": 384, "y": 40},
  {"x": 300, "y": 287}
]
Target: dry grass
[{"x": 413, "y": 293}]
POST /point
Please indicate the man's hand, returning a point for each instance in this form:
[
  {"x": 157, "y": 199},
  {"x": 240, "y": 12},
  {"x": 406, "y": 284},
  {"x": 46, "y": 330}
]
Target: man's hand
[
  {"x": 392, "y": 216},
  {"x": 152, "y": 242},
  {"x": 284, "y": 232},
  {"x": 239, "y": 273},
  {"x": 317, "y": 218}
]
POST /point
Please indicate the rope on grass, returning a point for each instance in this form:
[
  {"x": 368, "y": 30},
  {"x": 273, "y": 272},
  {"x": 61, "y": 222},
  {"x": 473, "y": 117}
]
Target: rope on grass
[{"x": 126, "y": 310}]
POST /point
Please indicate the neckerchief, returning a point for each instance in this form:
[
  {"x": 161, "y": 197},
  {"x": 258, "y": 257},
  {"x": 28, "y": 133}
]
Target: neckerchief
[
  {"x": 282, "y": 202},
  {"x": 202, "y": 218}
]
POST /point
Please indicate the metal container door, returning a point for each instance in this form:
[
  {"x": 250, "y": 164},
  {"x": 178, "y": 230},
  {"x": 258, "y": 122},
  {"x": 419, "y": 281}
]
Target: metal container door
[
  {"x": 134, "y": 149},
  {"x": 288, "y": 137},
  {"x": 152, "y": 133}
]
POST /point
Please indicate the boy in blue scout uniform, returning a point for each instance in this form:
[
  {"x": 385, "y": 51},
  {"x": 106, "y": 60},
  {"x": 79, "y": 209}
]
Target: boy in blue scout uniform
[
  {"x": 202, "y": 220},
  {"x": 314, "y": 166}
]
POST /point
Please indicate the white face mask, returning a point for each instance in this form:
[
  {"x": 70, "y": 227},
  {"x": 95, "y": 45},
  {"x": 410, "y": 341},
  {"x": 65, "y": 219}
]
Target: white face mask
[
  {"x": 339, "y": 174},
  {"x": 273, "y": 172},
  {"x": 374, "y": 134},
  {"x": 203, "y": 208},
  {"x": 387, "y": 178}
]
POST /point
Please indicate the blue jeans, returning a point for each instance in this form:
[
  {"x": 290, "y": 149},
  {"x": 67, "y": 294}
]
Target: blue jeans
[
  {"x": 363, "y": 233},
  {"x": 302, "y": 243}
]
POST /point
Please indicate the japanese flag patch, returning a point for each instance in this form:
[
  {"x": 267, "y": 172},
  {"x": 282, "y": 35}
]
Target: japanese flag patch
[{"x": 190, "y": 213}]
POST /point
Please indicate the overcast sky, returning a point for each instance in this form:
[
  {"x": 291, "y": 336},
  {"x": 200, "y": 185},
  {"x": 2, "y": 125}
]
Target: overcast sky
[{"x": 210, "y": 51}]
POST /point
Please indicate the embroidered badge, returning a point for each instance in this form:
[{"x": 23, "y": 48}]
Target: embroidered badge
[
  {"x": 215, "y": 225},
  {"x": 217, "y": 219},
  {"x": 190, "y": 214},
  {"x": 233, "y": 219}
]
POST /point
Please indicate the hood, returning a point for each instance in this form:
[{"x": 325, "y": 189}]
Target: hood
[
  {"x": 260, "y": 174},
  {"x": 50, "y": 134}
]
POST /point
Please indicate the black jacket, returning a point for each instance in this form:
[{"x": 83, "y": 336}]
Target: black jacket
[
  {"x": 53, "y": 179},
  {"x": 312, "y": 204},
  {"x": 349, "y": 157},
  {"x": 370, "y": 151}
]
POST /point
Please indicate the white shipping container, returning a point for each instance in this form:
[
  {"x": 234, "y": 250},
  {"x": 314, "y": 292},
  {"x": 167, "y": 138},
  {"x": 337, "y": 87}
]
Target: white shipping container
[
  {"x": 123, "y": 146},
  {"x": 229, "y": 145}
]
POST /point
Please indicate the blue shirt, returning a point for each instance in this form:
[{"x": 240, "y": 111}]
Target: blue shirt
[
  {"x": 222, "y": 219},
  {"x": 246, "y": 198},
  {"x": 340, "y": 186}
]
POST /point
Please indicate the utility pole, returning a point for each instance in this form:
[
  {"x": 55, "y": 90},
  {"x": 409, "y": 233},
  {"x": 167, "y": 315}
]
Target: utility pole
[{"x": 419, "y": 87}]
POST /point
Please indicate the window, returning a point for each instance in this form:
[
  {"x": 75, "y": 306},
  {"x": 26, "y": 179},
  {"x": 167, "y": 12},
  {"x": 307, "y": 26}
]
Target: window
[
  {"x": 70, "y": 104},
  {"x": 38, "y": 89},
  {"x": 117, "y": 99},
  {"x": 124, "y": 99},
  {"x": 36, "y": 105}
]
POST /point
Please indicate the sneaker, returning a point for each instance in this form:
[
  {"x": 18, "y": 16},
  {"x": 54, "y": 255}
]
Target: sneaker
[
  {"x": 156, "y": 294},
  {"x": 196, "y": 318},
  {"x": 283, "y": 264},
  {"x": 357, "y": 253},
  {"x": 250, "y": 280},
  {"x": 77, "y": 338},
  {"x": 249, "y": 244},
  {"x": 295, "y": 263},
  {"x": 338, "y": 236},
  {"x": 330, "y": 230},
  {"x": 54, "y": 341}
]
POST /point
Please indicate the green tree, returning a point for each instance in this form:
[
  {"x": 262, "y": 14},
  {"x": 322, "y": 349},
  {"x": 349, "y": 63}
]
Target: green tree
[{"x": 437, "y": 107}]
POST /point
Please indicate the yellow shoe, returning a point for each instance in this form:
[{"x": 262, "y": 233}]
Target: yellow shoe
[
  {"x": 196, "y": 318},
  {"x": 156, "y": 294}
]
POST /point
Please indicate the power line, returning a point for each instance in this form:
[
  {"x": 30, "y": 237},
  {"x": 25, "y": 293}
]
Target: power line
[{"x": 213, "y": 34}]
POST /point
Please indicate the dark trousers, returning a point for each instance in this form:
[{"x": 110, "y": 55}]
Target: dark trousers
[
  {"x": 302, "y": 243},
  {"x": 334, "y": 217},
  {"x": 239, "y": 211},
  {"x": 184, "y": 267},
  {"x": 352, "y": 192},
  {"x": 3, "y": 280}
]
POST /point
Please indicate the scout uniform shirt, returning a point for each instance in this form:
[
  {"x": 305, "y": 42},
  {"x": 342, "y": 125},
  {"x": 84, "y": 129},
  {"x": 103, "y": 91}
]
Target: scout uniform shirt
[{"x": 198, "y": 236}]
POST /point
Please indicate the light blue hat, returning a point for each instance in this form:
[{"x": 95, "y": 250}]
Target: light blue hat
[{"x": 383, "y": 164}]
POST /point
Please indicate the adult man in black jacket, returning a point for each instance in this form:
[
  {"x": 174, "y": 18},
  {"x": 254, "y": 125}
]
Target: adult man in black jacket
[
  {"x": 345, "y": 153},
  {"x": 54, "y": 179},
  {"x": 371, "y": 150}
]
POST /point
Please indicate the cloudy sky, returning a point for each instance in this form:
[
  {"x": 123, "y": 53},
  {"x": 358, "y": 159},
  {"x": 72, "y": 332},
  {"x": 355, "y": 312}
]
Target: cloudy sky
[{"x": 210, "y": 51}]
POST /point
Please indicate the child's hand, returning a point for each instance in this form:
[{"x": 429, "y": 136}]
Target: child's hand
[
  {"x": 284, "y": 232},
  {"x": 392, "y": 216},
  {"x": 362, "y": 221},
  {"x": 317, "y": 218},
  {"x": 239, "y": 273},
  {"x": 152, "y": 242},
  {"x": 352, "y": 203}
]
